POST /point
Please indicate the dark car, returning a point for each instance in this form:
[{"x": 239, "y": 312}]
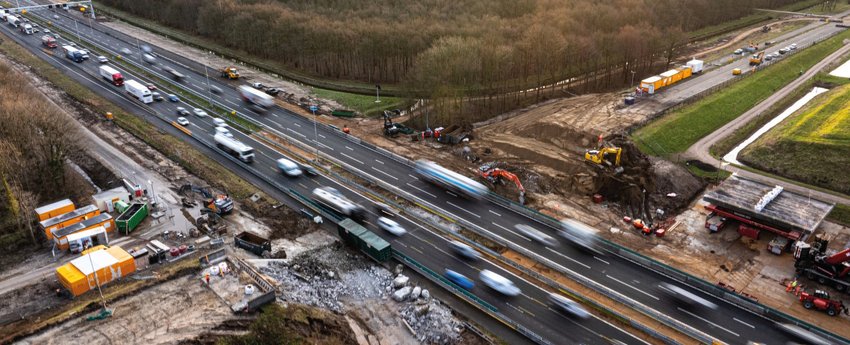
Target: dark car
[
  {"x": 151, "y": 86},
  {"x": 459, "y": 279},
  {"x": 183, "y": 112},
  {"x": 173, "y": 98},
  {"x": 157, "y": 96},
  {"x": 273, "y": 91}
]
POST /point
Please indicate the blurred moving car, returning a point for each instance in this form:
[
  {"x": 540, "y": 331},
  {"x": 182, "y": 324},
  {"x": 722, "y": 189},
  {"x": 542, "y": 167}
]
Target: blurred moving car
[
  {"x": 390, "y": 226},
  {"x": 102, "y": 59},
  {"x": 497, "y": 282},
  {"x": 686, "y": 297},
  {"x": 219, "y": 122},
  {"x": 289, "y": 167},
  {"x": 459, "y": 279},
  {"x": 464, "y": 250},
  {"x": 173, "y": 98},
  {"x": 802, "y": 335},
  {"x": 536, "y": 235},
  {"x": 182, "y": 120},
  {"x": 568, "y": 305},
  {"x": 199, "y": 112},
  {"x": 224, "y": 131},
  {"x": 182, "y": 111}
]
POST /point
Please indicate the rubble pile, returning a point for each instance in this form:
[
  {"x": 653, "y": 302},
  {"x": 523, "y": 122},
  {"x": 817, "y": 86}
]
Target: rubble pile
[
  {"x": 324, "y": 276},
  {"x": 432, "y": 322}
]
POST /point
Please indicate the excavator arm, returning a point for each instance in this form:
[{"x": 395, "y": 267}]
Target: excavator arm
[{"x": 493, "y": 174}]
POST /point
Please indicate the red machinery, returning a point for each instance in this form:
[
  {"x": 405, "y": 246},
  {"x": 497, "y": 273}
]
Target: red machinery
[
  {"x": 495, "y": 174},
  {"x": 727, "y": 215},
  {"x": 813, "y": 261},
  {"x": 820, "y": 300}
]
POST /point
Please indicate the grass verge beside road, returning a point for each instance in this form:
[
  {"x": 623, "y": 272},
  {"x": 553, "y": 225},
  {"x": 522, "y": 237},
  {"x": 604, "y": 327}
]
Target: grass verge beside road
[
  {"x": 812, "y": 147},
  {"x": 840, "y": 214},
  {"x": 680, "y": 129},
  {"x": 366, "y": 105}
]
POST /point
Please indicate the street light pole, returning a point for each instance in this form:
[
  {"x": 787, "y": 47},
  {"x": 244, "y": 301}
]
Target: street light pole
[
  {"x": 377, "y": 93},
  {"x": 153, "y": 193},
  {"x": 316, "y": 130},
  {"x": 139, "y": 46},
  {"x": 77, "y": 28},
  {"x": 632, "y": 84},
  {"x": 209, "y": 91}
]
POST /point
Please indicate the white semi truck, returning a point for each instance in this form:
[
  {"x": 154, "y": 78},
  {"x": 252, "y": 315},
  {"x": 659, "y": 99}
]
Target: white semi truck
[
  {"x": 13, "y": 21},
  {"x": 234, "y": 147},
  {"x": 112, "y": 75},
  {"x": 138, "y": 91},
  {"x": 255, "y": 96}
]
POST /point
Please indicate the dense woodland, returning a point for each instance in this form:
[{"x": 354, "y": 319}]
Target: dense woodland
[
  {"x": 455, "y": 47},
  {"x": 36, "y": 141}
]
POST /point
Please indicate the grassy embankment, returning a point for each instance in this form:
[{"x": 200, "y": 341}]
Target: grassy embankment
[
  {"x": 812, "y": 147},
  {"x": 365, "y": 104},
  {"x": 757, "y": 17},
  {"x": 675, "y": 132}
]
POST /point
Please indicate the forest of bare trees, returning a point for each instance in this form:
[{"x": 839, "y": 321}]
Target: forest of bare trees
[
  {"x": 465, "y": 44},
  {"x": 36, "y": 140}
]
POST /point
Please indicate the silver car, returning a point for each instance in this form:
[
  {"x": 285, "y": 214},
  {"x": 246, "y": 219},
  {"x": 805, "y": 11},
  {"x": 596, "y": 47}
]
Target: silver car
[
  {"x": 568, "y": 305},
  {"x": 497, "y": 282},
  {"x": 536, "y": 235},
  {"x": 464, "y": 250},
  {"x": 391, "y": 226},
  {"x": 686, "y": 297}
]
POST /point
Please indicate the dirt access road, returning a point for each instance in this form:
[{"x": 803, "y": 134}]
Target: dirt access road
[{"x": 700, "y": 150}]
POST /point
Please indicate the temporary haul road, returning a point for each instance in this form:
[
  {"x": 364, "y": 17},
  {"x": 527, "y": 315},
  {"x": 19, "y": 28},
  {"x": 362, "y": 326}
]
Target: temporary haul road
[
  {"x": 529, "y": 309},
  {"x": 728, "y": 323}
]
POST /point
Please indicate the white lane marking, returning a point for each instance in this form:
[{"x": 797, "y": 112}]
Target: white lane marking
[
  {"x": 597, "y": 258},
  {"x": 231, "y": 102},
  {"x": 568, "y": 258},
  {"x": 323, "y": 136},
  {"x": 461, "y": 208},
  {"x": 379, "y": 161},
  {"x": 297, "y": 124},
  {"x": 708, "y": 322},
  {"x": 196, "y": 86},
  {"x": 632, "y": 286},
  {"x": 605, "y": 337},
  {"x": 382, "y": 172},
  {"x": 302, "y": 185},
  {"x": 350, "y": 149},
  {"x": 302, "y": 135},
  {"x": 329, "y": 148},
  {"x": 511, "y": 231},
  {"x": 749, "y": 325},
  {"x": 419, "y": 189},
  {"x": 351, "y": 158},
  {"x": 452, "y": 194},
  {"x": 414, "y": 177},
  {"x": 276, "y": 115},
  {"x": 494, "y": 212}
]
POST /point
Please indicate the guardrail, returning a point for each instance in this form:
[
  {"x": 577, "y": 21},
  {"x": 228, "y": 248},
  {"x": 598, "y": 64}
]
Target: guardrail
[{"x": 511, "y": 205}]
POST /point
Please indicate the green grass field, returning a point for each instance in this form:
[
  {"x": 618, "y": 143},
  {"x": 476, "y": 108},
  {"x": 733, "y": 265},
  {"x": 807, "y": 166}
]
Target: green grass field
[
  {"x": 675, "y": 132},
  {"x": 366, "y": 105},
  {"x": 812, "y": 146}
]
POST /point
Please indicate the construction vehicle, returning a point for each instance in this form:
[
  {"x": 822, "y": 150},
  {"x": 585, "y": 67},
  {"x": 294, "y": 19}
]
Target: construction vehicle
[
  {"x": 609, "y": 156},
  {"x": 820, "y": 300},
  {"x": 756, "y": 59},
  {"x": 765, "y": 29},
  {"x": 813, "y": 263},
  {"x": 391, "y": 129},
  {"x": 260, "y": 246},
  {"x": 736, "y": 71},
  {"x": 495, "y": 175},
  {"x": 48, "y": 41},
  {"x": 218, "y": 204},
  {"x": 229, "y": 72}
]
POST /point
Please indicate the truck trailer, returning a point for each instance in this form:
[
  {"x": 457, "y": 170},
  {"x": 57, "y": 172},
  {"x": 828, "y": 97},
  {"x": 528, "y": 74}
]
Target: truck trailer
[
  {"x": 254, "y": 96},
  {"x": 234, "y": 147},
  {"x": 13, "y": 21},
  {"x": 27, "y": 29},
  {"x": 48, "y": 41},
  {"x": 138, "y": 91},
  {"x": 111, "y": 75},
  {"x": 73, "y": 54}
]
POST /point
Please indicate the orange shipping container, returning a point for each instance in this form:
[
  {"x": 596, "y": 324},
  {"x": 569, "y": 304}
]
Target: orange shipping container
[
  {"x": 78, "y": 276},
  {"x": 651, "y": 84},
  {"x": 67, "y": 219},
  {"x": 60, "y": 236},
  {"x": 52, "y": 210}
]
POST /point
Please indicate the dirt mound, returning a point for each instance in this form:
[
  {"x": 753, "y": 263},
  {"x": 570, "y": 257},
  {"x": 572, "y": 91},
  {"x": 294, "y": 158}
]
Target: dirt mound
[
  {"x": 297, "y": 324},
  {"x": 284, "y": 222}
]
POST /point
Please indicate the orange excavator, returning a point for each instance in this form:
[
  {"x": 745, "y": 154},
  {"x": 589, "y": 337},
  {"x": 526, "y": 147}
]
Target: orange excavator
[{"x": 494, "y": 175}]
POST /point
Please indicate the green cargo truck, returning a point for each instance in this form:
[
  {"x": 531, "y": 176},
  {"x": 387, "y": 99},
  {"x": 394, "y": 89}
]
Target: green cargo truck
[
  {"x": 130, "y": 218},
  {"x": 366, "y": 241}
]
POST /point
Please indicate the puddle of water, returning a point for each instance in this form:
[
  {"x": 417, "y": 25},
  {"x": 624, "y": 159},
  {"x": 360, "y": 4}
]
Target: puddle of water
[{"x": 732, "y": 156}]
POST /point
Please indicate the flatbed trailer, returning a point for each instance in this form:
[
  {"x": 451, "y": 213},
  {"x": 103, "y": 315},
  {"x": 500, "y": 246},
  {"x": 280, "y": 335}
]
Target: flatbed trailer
[{"x": 747, "y": 220}]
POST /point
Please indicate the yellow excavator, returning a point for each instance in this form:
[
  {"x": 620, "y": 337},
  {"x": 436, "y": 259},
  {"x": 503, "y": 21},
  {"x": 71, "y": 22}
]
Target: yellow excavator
[
  {"x": 609, "y": 156},
  {"x": 229, "y": 72}
]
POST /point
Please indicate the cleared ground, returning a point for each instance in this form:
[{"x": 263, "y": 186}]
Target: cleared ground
[{"x": 812, "y": 146}]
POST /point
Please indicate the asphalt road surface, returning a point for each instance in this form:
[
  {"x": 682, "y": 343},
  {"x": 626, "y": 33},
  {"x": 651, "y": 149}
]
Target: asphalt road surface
[
  {"x": 529, "y": 309},
  {"x": 728, "y": 323}
]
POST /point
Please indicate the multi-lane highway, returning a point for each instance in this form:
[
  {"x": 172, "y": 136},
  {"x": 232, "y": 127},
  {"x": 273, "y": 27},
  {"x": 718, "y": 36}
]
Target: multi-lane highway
[
  {"x": 728, "y": 323},
  {"x": 803, "y": 37},
  {"x": 529, "y": 309}
]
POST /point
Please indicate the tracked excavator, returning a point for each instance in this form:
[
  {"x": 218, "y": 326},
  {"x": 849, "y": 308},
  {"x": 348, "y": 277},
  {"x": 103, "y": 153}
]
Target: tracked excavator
[
  {"x": 218, "y": 204},
  {"x": 494, "y": 175},
  {"x": 391, "y": 129},
  {"x": 756, "y": 59},
  {"x": 609, "y": 156}
]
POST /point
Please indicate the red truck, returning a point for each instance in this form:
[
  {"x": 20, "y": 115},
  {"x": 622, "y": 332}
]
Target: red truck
[{"x": 48, "y": 41}]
